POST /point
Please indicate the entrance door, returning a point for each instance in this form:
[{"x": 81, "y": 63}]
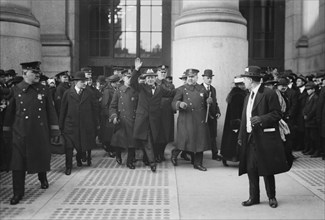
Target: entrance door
[{"x": 114, "y": 32}]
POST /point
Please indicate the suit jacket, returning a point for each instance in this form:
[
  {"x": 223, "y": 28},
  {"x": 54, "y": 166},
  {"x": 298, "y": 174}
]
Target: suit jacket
[
  {"x": 148, "y": 111},
  {"x": 213, "y": 111},
  {"x": 270, "y": 151}
]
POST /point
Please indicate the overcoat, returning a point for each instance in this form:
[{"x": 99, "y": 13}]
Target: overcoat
[
  {"x": 79, "y": 118},
  {"x": 31, "y": 116},
  {"x": 310, "y": 110},
  {"x": 270, "y": 151},
  {"x": 106, "y": 127},
  {"x": 123, "y": 107},
  {"x": 166, "y": 125},
  {"x": 148, "y": 111},
  {"x": 300, "y": 123},
  {"x": 62, "y": 87},
  {"x": 321, "y": 112},
  {"x": 229, "y": 147},
  {"x": 192, "y": 130}
]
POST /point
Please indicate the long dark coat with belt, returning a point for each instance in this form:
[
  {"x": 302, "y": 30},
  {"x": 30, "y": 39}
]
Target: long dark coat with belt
[
  {"x": 123, "y": 106},
  {"x": 31, "y": 117},
  {"x": 166, "y": 128},
  {"x": 270, "y": 151},
  {"x": 234, "y": 111},
  {"x": 79, "y": 119},
  {"x": 192, "y": 130},
  {"x": 321, "y": 112},
  {"x": 148, "y": 111}
]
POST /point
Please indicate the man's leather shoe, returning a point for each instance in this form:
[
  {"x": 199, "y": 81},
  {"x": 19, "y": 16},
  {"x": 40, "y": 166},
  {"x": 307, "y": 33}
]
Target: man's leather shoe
[
  {"x": 200, "y": 167},
  {"x": 15, "y": 200},
  {"x": 316, "y": 154},
  {"x": 174, "y": 160},
  {"x": 158, "y": 158},
  {"x": 273, "y": 203},
  {"x": 184, "y": 156},
  {"x": 83, "y": 157},
  {"x": 146, "y": 162},
  {"x": 68, "y": 171},
  {"x": 250, "y": 202},
  {"x": 224, "y": 162},
  {"x": 44, "y": 184},
  {"x": 131, "y": 166},
  {"x": 89, "y": 162},
  {"x": 153, "y": 167},
  {"x": 79, "y": 164},
  {"x": 118, "y": 159}
]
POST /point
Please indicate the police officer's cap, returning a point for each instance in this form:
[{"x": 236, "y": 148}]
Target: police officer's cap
[
  {"x": 35, "y": 65},
  {"x": 64, "y": 73},
  {"x": 169, "y": 77},
  {"x": 162, "y": 67},
  {"x": 191, "y": 72},
  {"x": 11, "y": 72},
  {"x": 114, "y": 78}
]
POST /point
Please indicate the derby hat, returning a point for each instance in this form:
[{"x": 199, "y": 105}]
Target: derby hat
[
  {"x": 253, "y": 72},
  {"x": 282, "y": 81},
  {"x": 310, "y": 85},
  {"x": 208, "y": 73},
  {"x": 80, "y": 75}
]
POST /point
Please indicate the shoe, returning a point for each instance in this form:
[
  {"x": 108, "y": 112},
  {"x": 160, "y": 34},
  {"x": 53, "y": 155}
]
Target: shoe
[
  {"x": 83, "y": 157},
  {"x": 200, "y": 167},
  {"x": 216, "y": 157},
  {"x": 44, "y": 184},
  {"x": 158, "y": 159},
  {"x": 79, "y": 164},
  {"x": 153, "y": 167},
  {"x": 174, "y": 160},
  {"x": 250, "y": 202},
  {"x": 224, "y": 162},
  {"x": 131, "y": 166},
  {"x": 15, "y": 200},
  {"x": 310, "y": 152},
  {"x": 67, "y": 171},
  {"x": 111, "y": 154},
  {"x": 118, "y": 159},
  {"x": 273, "y": 203},
  {"x": 185, "y": 156},
  {"x": 316, "y": 154}
]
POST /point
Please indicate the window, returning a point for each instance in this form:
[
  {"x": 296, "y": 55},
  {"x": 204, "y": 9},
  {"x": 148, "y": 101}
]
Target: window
[{"x": 125, "y": 28}]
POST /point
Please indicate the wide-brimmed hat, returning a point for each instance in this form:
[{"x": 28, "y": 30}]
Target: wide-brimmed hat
[
  {"x": 282, "y": 82},
  {"x": 253, "y": 72},
  {"x": 150, "y": 72},
  {"x": 310, "y": 85},
  {"x": 80, "y": 75},
  {"x": 208, "y": 73}
]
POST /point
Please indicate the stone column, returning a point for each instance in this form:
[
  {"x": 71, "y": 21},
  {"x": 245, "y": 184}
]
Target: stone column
[
  {"x": 19, "y": 34},
  {"x": 211, "y": 35}
]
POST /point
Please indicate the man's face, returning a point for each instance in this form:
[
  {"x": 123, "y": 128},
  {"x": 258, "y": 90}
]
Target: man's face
[
  {"x": 248, "y": 82},
  {"x": 31, "y": 77},
  {"x": 162, "y": 74},
  {"x": 150, "y": 80},
  {"x": 81, "y": 84},
  {"x": 207, "y": 80},
  {"x": 115, "y": 84},
  {"x": 317, "y": 81},
  {"x": 64, "y": 78},
  {"x": 191, "y": 79},
  {"x": 282, "y": 88},
  {"x": 299, "y": 82},
  {"x": 323, "y": 82},
  {"x": 7, "y": 78},
  {"x": 89, "y": 82},
  {"x": 88, "y": 74},
  {"x": 126, "y": 80},
  {"x": 310, "y": 91}
]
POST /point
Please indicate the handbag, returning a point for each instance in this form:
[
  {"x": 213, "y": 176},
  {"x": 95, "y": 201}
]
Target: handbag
[{"x": 59, "y": 146}]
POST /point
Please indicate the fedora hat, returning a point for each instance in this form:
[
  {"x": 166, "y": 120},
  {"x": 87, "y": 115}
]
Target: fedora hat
[
  {"x": 253, "y": 72},
  {"x": 80, "y": 75}
]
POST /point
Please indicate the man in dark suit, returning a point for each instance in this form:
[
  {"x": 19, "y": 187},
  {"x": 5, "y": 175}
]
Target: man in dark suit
[
  {"x": 262, "y": 151},
  {"x": 214, "y": 112},
  {"x": 64, "y": 85},
  {"x": 146, "y": 125},
  {"x": 30, "y": 122}
]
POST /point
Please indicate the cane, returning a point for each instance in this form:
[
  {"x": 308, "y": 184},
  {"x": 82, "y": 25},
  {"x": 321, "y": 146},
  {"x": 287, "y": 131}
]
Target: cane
[{"x": 207, "y": 114}]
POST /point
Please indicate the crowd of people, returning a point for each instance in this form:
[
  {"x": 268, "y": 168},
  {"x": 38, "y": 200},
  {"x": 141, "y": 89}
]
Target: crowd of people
[{"x": 269, "y": 115}]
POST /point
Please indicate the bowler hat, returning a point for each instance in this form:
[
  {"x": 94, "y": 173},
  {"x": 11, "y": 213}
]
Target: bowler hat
[
  {"x": 2, "y": 72},
  {"x": 208, "y": 73},
  {"x": 15, "y": 80},
  {"x": 114, "y": 78},
  {"x": 253, "y": 72},
  {"x": 191, "y": 72},
  {"x": 310, "y": 85},
  {"x": 150, "y": 72},
  {"x": 34, "y": 65},
  {"x": 282, "y": 81},
  {"x": 80, "y": 75}
]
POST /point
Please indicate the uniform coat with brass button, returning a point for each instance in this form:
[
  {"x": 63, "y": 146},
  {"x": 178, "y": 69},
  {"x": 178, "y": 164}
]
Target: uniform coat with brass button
[
  {"x": 31, "y": 114},
  {"x": 79, "y": 119},
  {"x": 270, "y": 153},
  {"x": 123, "y": 106},
  {"x": 192, "y": 130}
]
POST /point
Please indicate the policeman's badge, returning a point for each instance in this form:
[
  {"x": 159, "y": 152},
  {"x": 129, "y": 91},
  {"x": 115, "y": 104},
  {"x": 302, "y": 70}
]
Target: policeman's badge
[
  {"x": 39, "y": 96},
  {"x": 201, "y": 94},
  {"x": 132, "y": 98}
]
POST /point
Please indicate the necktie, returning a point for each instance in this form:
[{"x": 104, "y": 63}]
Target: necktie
[{"x": 80, "y": 91}]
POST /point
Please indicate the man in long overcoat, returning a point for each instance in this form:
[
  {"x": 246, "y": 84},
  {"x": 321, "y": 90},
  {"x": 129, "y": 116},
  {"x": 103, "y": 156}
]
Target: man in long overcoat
[
  {"x": 63, "y": 86},
  {"x": 122, "y": 113},
  {"x": 146, "y": 126},
  {"x": 31, "y": 120},
  {"x": 78, "y": 121},
  {"x": 166, "y": 125},
  {"x": 192, "y": 130},
  {"x": 321, "y": 116},
  {"x": 214, "y": 112},
  {"x": 262, "y": 151}
]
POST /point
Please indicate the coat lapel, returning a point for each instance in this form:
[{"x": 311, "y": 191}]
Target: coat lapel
[
  {"x": 258, "y": 97},
  {"x": 84, "y": 96}
]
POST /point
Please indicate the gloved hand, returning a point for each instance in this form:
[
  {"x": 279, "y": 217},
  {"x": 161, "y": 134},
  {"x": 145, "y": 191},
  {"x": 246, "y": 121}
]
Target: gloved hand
[
  {"x": 209, "y": 100},
  {"x": 115, "y": 121},
  {"x": 256, "y": 120},
  {"x": 183, "y": 105}
]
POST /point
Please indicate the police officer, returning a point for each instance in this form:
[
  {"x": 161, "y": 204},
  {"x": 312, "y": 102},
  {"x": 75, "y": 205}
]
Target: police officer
[
  {"x": 31, "y": 121},
  {"x": 193, "y": 134}
]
